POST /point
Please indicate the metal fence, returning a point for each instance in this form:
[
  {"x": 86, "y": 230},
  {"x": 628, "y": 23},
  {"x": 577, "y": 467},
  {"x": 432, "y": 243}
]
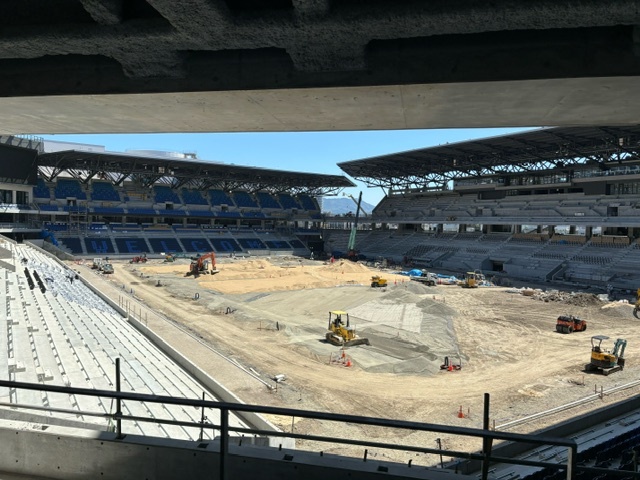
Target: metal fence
[{"x": 485, "y": 456}]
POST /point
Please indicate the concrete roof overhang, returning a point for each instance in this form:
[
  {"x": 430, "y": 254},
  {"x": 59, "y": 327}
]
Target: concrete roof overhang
[{"x": 87, "y": 66}]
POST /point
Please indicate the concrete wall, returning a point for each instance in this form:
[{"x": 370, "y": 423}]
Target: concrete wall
[{"x": 61, "y": 453}]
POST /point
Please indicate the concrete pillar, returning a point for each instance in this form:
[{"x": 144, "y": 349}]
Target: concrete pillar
[
  {"x": 572, "y": 229},
  {"x": 485, "y": 229},
  {"x": 588, "y": 232},
  {"x": 539, "y": 229},
  {"x": 517, "y": 229},
  {"x": 439, "y": 228},
  {"x": 551, "y": 230},
  {"x": 462, "y": 228}
]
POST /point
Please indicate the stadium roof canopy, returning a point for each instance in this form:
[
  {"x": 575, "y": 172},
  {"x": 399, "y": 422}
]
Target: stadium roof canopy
[
  {"x": 529, "y": 152},
  {"x": 188, "y": 173}
]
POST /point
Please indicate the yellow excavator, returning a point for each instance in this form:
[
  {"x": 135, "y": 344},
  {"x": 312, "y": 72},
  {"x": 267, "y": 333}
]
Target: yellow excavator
[
  {"x": 636, "y": 307},
  {"x": 605, "y": 361},
  {"x": 341, "y": 333}
]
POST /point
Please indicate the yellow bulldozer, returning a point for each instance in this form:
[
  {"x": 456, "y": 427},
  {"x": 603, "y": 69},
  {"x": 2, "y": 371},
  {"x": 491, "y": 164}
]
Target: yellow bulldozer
[
  {"x": 472, "y": 279},
  {"x": 341, "y": 333}
]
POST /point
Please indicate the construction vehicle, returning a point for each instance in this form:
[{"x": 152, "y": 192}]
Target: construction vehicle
[
  {"x": 341, "y": 333},
  {"x": 378, "y": 282},
  {"x": 426, "y": 278},
  {"x": 169, "y": 257},
  {"x": 97, "y": 263},
  {"x": 139, "y": 259},
  {"x": 106, "y": 268},
  {"x": 636, "y": 307},
  {"x": 570, "y": 324},
  {"x": 201, "y": 265},
  {"x": 604, "y": 361},
  {"x": 472, "y": 279}
]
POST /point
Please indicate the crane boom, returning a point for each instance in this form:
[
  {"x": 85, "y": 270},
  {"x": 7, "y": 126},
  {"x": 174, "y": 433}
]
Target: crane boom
[{"x": 351, "y": 247}]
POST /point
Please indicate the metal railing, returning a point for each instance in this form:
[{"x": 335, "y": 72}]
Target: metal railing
[{"x": 485, "y": 456}]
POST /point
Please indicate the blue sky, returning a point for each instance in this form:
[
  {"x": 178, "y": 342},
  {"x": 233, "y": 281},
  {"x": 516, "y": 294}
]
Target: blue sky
[{"x": 311, "y": 152}]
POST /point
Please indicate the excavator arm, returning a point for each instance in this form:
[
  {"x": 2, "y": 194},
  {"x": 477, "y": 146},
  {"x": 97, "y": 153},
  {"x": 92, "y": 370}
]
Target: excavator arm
[{"x": 618, "y": 349}]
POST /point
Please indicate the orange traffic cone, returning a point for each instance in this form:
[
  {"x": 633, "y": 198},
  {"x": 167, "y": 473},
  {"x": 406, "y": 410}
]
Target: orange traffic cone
[
  {"x": 348, "y": 364},
  {"x": 460, "y": 413}
]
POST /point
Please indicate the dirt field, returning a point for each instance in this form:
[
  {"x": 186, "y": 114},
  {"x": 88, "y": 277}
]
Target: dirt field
[{"x": 269, "y": 317}]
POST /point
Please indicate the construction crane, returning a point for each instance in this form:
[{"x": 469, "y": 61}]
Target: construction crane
[
  {"x": 357, "y": 202},
  {"x": 352, "y": 253}
]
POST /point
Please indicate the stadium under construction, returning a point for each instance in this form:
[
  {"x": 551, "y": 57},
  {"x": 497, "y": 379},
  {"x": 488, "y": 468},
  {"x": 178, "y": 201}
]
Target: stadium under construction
[{"x": 555, "y": 205}]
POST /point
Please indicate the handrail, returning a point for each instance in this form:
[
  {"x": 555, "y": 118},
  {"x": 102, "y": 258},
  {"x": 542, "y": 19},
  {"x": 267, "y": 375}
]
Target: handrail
[{"x": 488, "y": 436}]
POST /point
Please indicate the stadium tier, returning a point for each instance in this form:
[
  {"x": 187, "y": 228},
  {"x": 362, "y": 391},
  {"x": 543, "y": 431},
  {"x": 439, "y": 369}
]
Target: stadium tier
[{"x": 62, "y": 333}]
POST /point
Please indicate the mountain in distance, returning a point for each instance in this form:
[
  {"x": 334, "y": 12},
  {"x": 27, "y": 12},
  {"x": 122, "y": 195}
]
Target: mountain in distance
[{"x": 341, "y": 206}]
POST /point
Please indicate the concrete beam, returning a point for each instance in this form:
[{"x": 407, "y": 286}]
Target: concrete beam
[{"x": 563, "y": 102}]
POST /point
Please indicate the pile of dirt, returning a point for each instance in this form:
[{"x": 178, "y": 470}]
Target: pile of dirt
[{"x": 568, "y": 298}]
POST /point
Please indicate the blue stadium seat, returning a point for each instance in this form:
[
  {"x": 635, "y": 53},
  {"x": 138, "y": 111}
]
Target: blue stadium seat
[
  {"x": 69, "y": 188},
  {"x": 201, "y": 213},
  {"x": 172, "y": 213},
  {"x": 98, "y": 245},
  {"x": 243, "y": 199},
  {"x": 228, "y": 214},
  {"x": 253, "y": 215},
  {"x": 41, "y": 190},
  {"x": 218, "y": 197},
  {"x": 72, "y": 243},
  {"x": 296, "y": 244},
  {"x": 288, "y": 202},
  {"x": 56, "y": 227},
  {"x": 104, "y": 191},
  {"x": 193, "y": 197},
  {"x": 225, "y": 245},
  {"x": 267, "y": 201},
  {"x": 47, "y": 208},
  {"x": 164, "y": 193},
  {"x": 142, "y": 211},
  {"x": 308, "y": 203},
  {"x": 196, "y": 244},
  {"x": 278, "y": 244},
  {"x": 132, "y": 245},
  {"x": 159, "y": 245},
  {"x": 108, "y": 210},
  {"x": 252, "y": 244}
]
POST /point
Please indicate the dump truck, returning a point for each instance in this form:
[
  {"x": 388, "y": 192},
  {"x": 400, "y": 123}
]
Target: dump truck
[
  {"x": 570, "y": 324},
  {"x": 426, "y": 278}
]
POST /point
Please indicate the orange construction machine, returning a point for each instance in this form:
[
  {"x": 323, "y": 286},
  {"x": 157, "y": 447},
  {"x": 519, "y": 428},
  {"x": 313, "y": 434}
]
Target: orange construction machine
[
  {"x": 203, "y": 265},
  {"x": 570, "y": 324},
  {"x": 139, "y": 259}
]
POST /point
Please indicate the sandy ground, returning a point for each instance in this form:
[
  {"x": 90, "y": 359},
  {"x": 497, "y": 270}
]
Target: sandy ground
[{"x": 269, "y": 316}]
